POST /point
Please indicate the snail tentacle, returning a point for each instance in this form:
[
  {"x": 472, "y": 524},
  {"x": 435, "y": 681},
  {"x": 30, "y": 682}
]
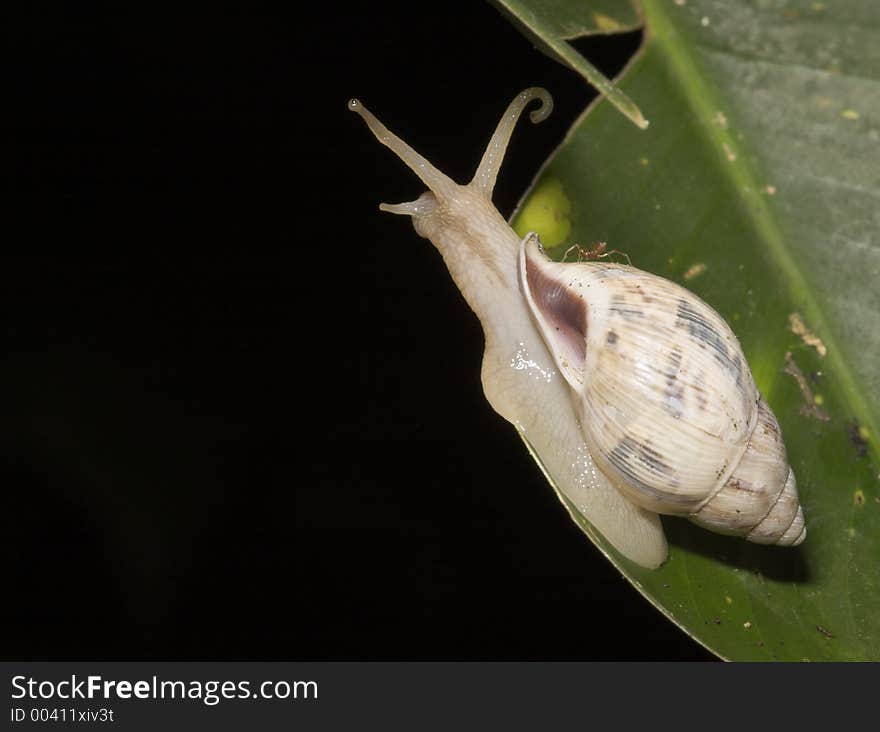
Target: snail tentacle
[
  {"x": 487, "y": 171},
  {"x": 438, "y": 182}
]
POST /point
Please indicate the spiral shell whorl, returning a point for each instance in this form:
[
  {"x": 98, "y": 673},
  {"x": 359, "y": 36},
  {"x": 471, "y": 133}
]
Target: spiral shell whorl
[{"x": 759, "y": 500}]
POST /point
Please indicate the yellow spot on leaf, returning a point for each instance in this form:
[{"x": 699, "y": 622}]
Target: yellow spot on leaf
[
  {"x": 770, "y": 190},
  {"x": 547, "y": 212},
  {"x": 859, "y": 498},
  {"x": 865, "y": 433},
  {"x": 605, "y": 22},
  {"x": 849, "y": 114},
  {"x": 728, "y": 599},
  {"x": 747, "y": 624},
  {"x": 818, "y": 400}
]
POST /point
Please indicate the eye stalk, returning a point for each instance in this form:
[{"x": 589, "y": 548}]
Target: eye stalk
[
  {"x": 440, "y": 184},
  {"x": 487, "y": 172}
]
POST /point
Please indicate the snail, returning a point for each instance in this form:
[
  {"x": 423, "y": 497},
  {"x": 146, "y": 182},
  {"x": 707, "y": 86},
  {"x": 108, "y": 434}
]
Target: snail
[{"x": 632, "y": 394}]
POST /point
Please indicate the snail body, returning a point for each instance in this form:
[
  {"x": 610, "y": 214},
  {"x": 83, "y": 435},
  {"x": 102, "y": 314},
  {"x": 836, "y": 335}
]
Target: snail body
[{"x": 631, "y": 392}]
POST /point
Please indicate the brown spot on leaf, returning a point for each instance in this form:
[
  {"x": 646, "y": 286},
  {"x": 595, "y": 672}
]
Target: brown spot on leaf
[
  {"x": 695, "y": 270},
  {"x": 854, "y": 432},
  {"x": 810, "y": 409},
  {"x": 797, "y": 326}
]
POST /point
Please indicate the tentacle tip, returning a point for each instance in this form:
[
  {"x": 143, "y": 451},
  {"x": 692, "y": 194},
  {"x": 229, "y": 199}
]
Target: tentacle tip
[
  {"x": 423, "y": 205},
  {"x": 404, "y": 209},
  {"x": 354, "y": 105},
  {"x": 541, "y": 113}
]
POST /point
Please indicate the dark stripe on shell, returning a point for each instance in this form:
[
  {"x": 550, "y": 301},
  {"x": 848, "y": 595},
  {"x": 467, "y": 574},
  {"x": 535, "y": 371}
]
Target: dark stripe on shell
[
  {"x": 674, "y": 392},
  {"x": 626, "y": 310},
  {"x": 628, "y": 452},
  {"x": 704, "y": 333}
]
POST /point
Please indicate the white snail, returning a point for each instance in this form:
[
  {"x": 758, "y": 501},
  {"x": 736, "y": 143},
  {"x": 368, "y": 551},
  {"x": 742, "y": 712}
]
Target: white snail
[{"x": 632, "y": 393}]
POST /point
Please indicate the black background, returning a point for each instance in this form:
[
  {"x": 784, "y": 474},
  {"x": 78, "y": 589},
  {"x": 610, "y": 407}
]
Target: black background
[{"x": 242, "y": 408}]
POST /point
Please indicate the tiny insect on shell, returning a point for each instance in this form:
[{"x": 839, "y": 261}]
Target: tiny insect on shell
[{"x": 632, "y": 393}]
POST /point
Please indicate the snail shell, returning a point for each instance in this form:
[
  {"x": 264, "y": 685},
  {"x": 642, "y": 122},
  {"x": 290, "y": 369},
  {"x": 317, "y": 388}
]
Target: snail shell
[
  {"x": 664, "y": 396},
  {"x": 632, "y": 393}
]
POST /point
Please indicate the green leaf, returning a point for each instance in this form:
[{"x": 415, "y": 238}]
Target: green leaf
[
  {"x": 550, "y": 23},
  {"x": 757, "y": 186}
]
